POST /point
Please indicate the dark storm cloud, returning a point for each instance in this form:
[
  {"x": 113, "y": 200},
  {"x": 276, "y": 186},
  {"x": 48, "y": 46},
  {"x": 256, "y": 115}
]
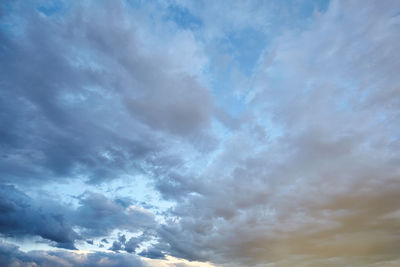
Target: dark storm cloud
[
  {"x": 10, "y": 255},
  {"x": 21, "y": 216},
  {"x": 96, "y": 216},
  {"x": 80, "y": 99}
]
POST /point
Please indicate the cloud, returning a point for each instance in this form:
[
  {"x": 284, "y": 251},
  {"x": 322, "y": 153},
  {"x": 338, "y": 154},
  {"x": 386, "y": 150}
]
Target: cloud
[
  {"x": 99, "y": 215},
  {"x": 320, "y": 187},
  {"x": 21, "y": 216},
  {"x": 131, "y": 245},
  {"x": 175, "y": 262},
  {"x": 10, "y": 255},
  {"x": 98, "y": 100},
  {"x": 302, "y": 169},
  {"x": 95, "y": 217}
]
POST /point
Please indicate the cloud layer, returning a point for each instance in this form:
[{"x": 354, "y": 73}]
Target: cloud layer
[{"x": 270, "y": 130}]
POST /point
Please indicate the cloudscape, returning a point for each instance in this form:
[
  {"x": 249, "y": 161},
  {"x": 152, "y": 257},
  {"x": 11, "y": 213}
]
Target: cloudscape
[{"x": 199, "y": 133}]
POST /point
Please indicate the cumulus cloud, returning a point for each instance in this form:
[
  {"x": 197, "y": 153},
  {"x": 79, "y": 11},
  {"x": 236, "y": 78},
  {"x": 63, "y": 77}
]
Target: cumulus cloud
[{"x": 132, "y": 245}]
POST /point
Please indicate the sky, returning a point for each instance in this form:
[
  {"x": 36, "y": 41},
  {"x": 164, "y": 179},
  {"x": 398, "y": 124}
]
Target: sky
[{"x": 199, "y": 133}]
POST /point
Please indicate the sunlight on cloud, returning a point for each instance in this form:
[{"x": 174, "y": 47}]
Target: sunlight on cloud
[{"x": 172, "y": 262}]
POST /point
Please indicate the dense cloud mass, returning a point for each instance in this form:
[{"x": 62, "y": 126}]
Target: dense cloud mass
[
  {"x": 61, "y": 73},
  {"x": 10, "y": 255},
  {"x": 321, "y": 186},
  {"x": 248, "y": 133},
  {"x": 96, "y": 216}
]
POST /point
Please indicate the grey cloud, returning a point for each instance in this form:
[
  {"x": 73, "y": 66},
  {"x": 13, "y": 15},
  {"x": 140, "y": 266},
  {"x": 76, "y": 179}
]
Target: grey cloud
[
  {"x": 10, "y": 255},
  {"x": 131, "y": 245},
  {"x": 308, "y": 176},
  {"x": 174, "y": 110},
  {"x": 320, "y": 187},
  {"x": 99, "y": 215},
  {"x": 80, "y": 99},
  {"x": 96, "y": 216},
  {"x": 116, "y": 246},
  {"x": 21, "y": 216},
  {"x": 152, "y": 253}
]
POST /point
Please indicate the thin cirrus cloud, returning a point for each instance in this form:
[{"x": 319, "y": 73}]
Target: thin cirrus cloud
[{"x": 269, "y": 128}]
